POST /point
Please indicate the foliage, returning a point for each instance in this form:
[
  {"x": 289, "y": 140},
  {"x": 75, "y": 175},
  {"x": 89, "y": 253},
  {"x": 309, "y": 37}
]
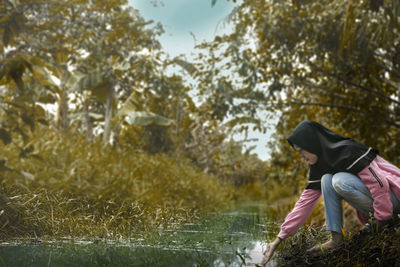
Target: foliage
[
  {"x": 100, "y": 65},
  {"x": 332, "y": 61},
  {"x": 72, "y": 188}
]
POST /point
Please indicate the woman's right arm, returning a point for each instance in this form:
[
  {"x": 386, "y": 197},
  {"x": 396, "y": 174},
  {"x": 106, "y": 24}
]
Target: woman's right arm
[
  {"x": 294, "y": 220},
  {"x": 301, "y": 211}
]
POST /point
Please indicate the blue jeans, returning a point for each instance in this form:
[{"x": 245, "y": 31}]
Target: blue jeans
[{"x": 349, "y": 187}]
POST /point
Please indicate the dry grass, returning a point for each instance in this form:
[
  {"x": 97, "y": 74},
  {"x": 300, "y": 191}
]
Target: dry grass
[
  {"x": 365, "y": 249},
  {"x": 66, "y": 187}
]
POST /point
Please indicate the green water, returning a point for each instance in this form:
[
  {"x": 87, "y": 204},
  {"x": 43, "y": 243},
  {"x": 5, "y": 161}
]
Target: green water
[{"x": 234, "y": 238}]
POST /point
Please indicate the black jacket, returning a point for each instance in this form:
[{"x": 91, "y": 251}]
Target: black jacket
[{"x": 335, "y": 152}]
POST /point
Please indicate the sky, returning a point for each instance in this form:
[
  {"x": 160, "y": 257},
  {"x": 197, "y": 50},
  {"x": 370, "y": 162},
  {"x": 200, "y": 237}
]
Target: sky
[
  {"x": 189, "y": 21},
  {"x": 180, "y": 18}
]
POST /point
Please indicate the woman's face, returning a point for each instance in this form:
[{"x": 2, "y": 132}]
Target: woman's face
[{"x": 307, "y": 156}]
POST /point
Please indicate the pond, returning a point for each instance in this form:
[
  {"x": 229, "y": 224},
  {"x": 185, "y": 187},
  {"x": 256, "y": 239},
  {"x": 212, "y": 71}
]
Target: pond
[{"x": 232, "y": 238}]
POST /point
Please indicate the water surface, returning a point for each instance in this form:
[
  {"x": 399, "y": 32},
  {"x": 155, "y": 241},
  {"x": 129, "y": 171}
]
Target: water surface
[{"x": 233, "y": 238}]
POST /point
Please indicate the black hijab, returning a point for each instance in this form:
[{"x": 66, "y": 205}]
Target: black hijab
[{"x": 335, "y": 152}]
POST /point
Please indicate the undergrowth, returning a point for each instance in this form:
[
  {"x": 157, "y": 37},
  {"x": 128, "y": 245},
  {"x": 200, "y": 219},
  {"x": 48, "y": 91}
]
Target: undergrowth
[{"x": 66, "y": 187}]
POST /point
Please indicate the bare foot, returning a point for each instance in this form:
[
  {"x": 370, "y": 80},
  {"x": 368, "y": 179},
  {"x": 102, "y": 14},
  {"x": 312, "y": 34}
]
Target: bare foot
[{"x": 333, "y": 243}]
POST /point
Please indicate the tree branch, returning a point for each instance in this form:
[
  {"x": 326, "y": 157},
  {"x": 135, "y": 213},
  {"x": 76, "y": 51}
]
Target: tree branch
[
  {"x": 311, "y": 85},
  {"x": 393, "y": 19},
  {"x": 382, "y": 65},
  {"x": 390, "y": 122},
  {"x": 325, "y": 105},
  {"x": 353, "y": 84}
]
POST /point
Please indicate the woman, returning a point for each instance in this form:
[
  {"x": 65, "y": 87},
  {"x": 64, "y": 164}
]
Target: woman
[{"x": 339, "y": 168}]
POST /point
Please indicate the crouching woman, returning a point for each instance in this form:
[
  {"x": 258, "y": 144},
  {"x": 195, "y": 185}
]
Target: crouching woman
[{"x": 339, "y": 168}]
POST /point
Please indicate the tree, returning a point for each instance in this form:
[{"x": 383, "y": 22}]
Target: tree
[
  {"x": 23, "y": 75},
  {"x": 114, "y": 53},
  {"x": 331, "y": 61}
]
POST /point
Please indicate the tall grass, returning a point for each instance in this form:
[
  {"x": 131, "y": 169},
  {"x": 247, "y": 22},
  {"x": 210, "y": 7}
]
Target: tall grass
[{"x": 67, "y": 187}]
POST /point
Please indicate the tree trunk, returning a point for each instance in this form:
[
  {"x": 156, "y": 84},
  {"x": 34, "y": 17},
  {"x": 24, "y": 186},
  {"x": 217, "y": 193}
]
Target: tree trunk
[
  {"x": 89, "y": 124},
  {"x": 116, "y": 143},
  {"x": 63, "y": 104},
  {"x": 109, "y": 113}
]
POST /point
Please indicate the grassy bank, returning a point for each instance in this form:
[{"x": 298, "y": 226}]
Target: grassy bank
[
  {"x": 62, "y": 186},
  {"x": 359, "y": 249}
]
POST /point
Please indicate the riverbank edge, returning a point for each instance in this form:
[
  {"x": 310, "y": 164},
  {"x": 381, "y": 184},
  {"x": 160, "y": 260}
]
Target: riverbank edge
[{"x": 359, "y": 249}]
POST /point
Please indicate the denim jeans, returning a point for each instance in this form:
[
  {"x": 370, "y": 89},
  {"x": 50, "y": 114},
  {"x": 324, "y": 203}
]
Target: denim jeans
[{"x": 349, "y": 187}]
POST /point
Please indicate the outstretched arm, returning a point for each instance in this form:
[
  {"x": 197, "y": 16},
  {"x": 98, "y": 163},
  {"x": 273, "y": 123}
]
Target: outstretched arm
[{"x": 295, "y": 219}]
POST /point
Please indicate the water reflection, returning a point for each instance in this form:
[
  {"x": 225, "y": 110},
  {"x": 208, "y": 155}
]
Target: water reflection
[{"x": 221, "y": 240}]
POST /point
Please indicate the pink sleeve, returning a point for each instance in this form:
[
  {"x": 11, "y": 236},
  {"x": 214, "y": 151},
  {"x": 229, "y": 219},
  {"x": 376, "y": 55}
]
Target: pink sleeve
[
  {"x": 375, "y": 180},
  {"x": 302, "y": 210}
]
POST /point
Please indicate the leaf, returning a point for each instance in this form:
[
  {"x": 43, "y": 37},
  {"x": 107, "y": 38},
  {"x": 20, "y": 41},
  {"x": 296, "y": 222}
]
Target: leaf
[
  {"x": 73, "y": 79},
  {"x": 96, "y": 116},
  {"x": 38, "y": 72},
  {"x": 4, "y": 225},
  {"x": 189, "y": 67},
  {"x": 101, "y": 91},
  {"x": 5, "y": 137},
  {"x": 27, "y": 175},
  {"x": 129, "y": 106},
  {"x": 81, "y": 116},
  {"x": 62, "y": 56},
  {"x": 27, "y": 119},
  {"x": 96, "y": 83},
  {"x": 40, "y": 113},
  {"x": 145, "y": 118},
  {"x": 213, "y": 2},
  {"x": 343, "y": 232},
  {"x": 41, "y": 75},
  {"x": 140, "y": 118},
  {"x": 47, "y": 99},
  {"x": 22, "y": 133},
  {"x": 43, "y": 121},
  {"x": 241, "y": 257},
  {"x": 87, "y": 81},
  {"x": 3, "y": 166}
]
